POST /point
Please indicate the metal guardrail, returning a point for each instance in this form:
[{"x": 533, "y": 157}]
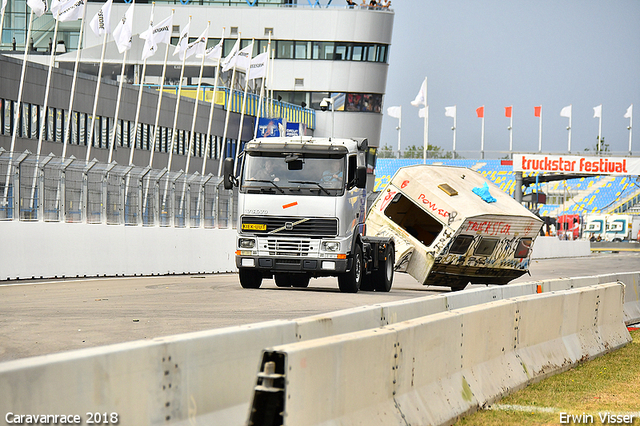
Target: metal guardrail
[{"x": 56, "y": 189}]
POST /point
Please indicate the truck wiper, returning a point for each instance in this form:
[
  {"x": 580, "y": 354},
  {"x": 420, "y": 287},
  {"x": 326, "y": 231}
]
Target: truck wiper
[
  {"x": 265, "y": 181},
  {"x": 312, "y": 183}
]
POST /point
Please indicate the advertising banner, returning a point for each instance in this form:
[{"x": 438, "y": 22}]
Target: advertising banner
[
  {"x": 269, "y": 127},
  {"x": 576, "y": 164},
  {"x": 295, "y": 129}
]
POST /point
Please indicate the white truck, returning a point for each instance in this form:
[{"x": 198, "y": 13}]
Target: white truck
[
  {"x": 612, "y": 227},
  {"x": 446, "y": 234},
  {"x": 301, "y": 214}
]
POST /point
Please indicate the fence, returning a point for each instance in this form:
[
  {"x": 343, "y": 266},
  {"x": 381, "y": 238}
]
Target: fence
[{"x": 55, "y": 189}]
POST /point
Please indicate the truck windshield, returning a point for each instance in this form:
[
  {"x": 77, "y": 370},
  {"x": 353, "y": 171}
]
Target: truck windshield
[{"x": 289, "y": 173}]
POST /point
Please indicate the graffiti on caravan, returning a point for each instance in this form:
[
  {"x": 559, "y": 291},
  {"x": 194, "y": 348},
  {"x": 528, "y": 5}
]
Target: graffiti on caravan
[{"x": 576, "y": 164}]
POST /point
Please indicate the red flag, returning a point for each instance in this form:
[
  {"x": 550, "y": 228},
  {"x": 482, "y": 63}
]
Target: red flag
[
  {"x": 480, "y": 112},
  {"x": 507, "y": 111},
  {"x": 537, "y": 111}
]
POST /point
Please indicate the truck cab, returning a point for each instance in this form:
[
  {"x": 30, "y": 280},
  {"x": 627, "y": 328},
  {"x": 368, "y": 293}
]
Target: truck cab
[{"x": 301, "y": 213}]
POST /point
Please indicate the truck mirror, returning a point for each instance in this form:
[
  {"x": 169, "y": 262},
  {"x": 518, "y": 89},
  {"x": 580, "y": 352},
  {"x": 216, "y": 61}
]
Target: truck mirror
[
  {"x": 361, "y": 177},
  {"x": 228, "y": 173}
]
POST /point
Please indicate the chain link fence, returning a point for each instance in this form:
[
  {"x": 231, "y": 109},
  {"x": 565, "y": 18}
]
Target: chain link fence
[{"x": 55, "y": 189}]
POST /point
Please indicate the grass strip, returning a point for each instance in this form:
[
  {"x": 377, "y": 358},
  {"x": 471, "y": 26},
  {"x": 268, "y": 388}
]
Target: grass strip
[{"x": 608, "y": 384}]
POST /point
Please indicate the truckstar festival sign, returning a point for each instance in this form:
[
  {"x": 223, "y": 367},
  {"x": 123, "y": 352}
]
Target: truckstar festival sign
[{"x": 576, "y": 164}]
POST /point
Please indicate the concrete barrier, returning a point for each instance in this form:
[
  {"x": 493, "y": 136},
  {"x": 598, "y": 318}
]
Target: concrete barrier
[
  {"x": 433, "y": 369},
  {"x": 552, "y": 247},
  {"x": 207, "y": 359},
  {"x": 58, "y": 249}
]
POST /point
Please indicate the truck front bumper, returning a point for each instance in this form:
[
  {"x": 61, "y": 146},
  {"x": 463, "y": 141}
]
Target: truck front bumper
[{"x": 293, "y": 264}]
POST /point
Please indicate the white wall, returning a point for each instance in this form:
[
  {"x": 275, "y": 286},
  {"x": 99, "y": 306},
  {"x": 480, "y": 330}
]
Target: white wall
[
  {"x": 552, "y": 247},
  {"x": 47, "y": 250}
]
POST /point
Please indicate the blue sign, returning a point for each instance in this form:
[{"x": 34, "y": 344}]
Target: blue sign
[
  {"x": 269, "y": 127},
  {"x": 295, "y": 129}
]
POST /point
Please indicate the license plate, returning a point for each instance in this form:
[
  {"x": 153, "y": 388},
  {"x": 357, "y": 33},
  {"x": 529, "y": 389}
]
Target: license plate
[{"x": 254, "y": 227}]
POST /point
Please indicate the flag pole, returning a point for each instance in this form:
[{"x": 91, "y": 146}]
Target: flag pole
[
  {"x": 195, "y": 108},
  {"x": 630, "y": 127},
  {"x": 140, "y": 87},
  {"x": 46, "y": 90},
  {"x": 2, "y": 17},
  {"x": 244, "y": 103},
  {"x": 511, "y": 132},
  {"x": 154, "y": 130},
  {"x": 569, "y": 129},
  {"x": 226, "y": 120},
  {"x": 16, "y": 113},
  {"x": 426, "y": 123},
  {"x": 67, "y": 133},
  {"x": 272, "y": 54},
  {"x": 600, "y": 130},
  {"x": 96, "y": 96},
  {"x": 255, "y": 131},
  {"x": 540, "y": 131},
  {"x": 117, "y": 112},
  {"x": 399, "y": 130},
  {"x": 482, "y": 136},
  {"x": 455, "y": 129},
  {"x": 175, "y": 116},
  {"x": 212, "y": 108}
]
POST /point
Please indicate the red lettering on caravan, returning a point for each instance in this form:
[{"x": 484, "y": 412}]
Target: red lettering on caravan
[
  {"x": 489, "y": 228},
  {"x": 432, "y": 206}
]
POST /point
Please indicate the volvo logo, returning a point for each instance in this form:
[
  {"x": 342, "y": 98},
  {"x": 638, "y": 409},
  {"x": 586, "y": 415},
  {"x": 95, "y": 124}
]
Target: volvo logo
[{"x": 288, "y": 226}]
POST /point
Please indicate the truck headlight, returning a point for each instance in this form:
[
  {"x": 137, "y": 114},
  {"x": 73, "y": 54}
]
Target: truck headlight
[
  {"x": 332, "y": 246},
  {"x": 246, "y": 243}
]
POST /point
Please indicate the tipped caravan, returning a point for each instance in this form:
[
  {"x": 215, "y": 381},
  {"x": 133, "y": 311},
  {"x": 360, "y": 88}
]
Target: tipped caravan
[{"x": 446, "y": 234}]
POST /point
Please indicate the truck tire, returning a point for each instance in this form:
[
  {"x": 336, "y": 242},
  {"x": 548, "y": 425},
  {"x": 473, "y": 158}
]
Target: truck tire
[
  {"x": 250, "y": 278},
  {"x": 349, "y": 282},
  {"x": 383, "y": 276},
  {"x": 300, "y": 281},
  {"x": 282, "y": 280}
]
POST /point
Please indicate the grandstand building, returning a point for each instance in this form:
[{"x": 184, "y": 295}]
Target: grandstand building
[{"x": 321, "y": 51}]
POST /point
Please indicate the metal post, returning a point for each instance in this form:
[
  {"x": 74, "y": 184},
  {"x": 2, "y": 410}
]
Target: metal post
[
  {"x": 41, "y": 181},
  {"x": 518, "y": 189},
  {"x": 84, "y": 198},
  {"x": 16, "y": 183}
]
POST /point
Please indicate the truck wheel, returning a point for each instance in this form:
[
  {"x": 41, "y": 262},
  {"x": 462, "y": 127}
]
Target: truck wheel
[
  {"x": 250, "y": 278},
  {"x": 283, "y": 280},
  {"x": 349, "y": 282},
  {"x": 383, "y": 277},
  {"x": 300, "y": 281}
]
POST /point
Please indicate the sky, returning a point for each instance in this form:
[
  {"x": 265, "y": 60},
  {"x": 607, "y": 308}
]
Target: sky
[{"x": 498, "y": 53}]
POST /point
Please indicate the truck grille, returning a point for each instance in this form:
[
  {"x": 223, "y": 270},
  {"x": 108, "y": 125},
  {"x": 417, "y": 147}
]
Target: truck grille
[
  {"x": 288, "y": 247},
  {"x": 312, "y": 227}
]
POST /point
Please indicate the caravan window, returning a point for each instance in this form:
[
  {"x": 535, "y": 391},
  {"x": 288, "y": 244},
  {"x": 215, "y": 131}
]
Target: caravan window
[
  {"x": 486, "y": 247},
  {"x": 524, "y": 246},
  {"x": 413, "y": 219},
  {"x": 461, "y": 244}
]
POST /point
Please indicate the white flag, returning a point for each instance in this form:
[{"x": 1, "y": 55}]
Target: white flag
[
  {"x": 198, "y": 46},
  {"x": 160, "y": 33},
  {"x": 420, "y": 97},
  {"x": 214, "y": 52},
  {"x": 450, "y": 111},
  {"x": 629, "y": 112},
  {"x": 124, "y": 29},
  {"x": 243, "y": 58},
  {"x": 68, "y": 10},
  {"x": 566, "y": 112},
  {"x": 4, "y": 5},
  {"x": 394, "y": 111},
  {"x": 101, "y": 22},
  {"x": 183, "y": 42},
  {"x": 597, "y": 111},
  {"x": 39, "y": 7},
  {"x": 258, "y": 66},
  {"x": 229, "y": 61}
]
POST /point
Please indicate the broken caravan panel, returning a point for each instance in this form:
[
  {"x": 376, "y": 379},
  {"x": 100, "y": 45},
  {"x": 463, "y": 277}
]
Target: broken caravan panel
[{"x": 447, "y": 235}]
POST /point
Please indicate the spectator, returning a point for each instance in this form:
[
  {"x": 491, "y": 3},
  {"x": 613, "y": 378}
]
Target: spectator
[
  {"x": 385, "y": 3},
  {"x": 351, "y": 3}
]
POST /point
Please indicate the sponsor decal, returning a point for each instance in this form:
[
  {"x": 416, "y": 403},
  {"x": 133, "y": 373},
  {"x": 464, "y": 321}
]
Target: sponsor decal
[
  {"x": 576, "y": 164},
  {"x": 286, "y": 206}
]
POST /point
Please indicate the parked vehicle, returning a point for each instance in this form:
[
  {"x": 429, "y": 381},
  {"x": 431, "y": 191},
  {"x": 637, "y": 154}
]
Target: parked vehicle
[{"x": 612, "y": 227}]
